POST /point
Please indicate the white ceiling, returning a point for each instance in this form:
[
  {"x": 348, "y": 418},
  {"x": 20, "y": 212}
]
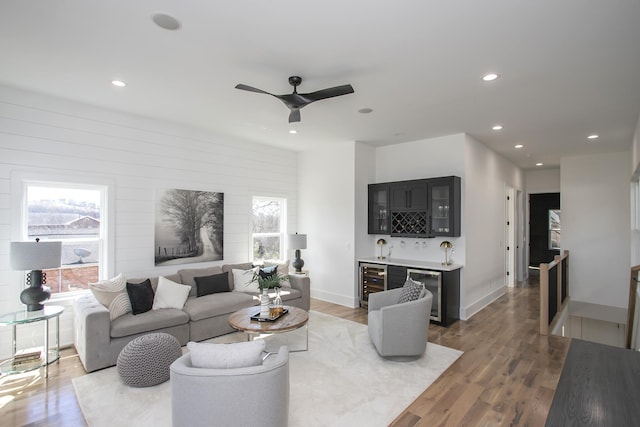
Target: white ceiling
[{"x": 567, "y": 68}]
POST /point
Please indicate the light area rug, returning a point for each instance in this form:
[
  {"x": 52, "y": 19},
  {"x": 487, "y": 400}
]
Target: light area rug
[{"x": 340, "y": 381}]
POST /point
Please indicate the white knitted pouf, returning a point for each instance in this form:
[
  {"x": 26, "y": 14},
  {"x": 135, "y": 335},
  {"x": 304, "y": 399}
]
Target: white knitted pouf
[{"x": 145, "y": 361}]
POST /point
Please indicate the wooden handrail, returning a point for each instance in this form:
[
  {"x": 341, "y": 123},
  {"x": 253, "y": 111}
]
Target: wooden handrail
[
  {"x": 633, "y": 285},
  {"x": 555, "y": 267}
]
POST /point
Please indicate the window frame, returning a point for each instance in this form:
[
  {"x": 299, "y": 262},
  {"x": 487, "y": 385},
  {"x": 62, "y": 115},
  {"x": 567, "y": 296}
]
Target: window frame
[
  {"x": 283, "y": 226},
  {"x": 551, "y": 230},
  {"x": 20, "y": 181}
]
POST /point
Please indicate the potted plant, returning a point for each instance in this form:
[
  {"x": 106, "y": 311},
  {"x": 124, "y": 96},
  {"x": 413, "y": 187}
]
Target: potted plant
[
  {"x": 269, "y": 281},
  {"x": 266, "y": 282}
]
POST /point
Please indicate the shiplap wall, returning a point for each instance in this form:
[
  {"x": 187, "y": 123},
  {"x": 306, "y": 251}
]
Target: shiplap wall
[{"x": 49, "y": 138}]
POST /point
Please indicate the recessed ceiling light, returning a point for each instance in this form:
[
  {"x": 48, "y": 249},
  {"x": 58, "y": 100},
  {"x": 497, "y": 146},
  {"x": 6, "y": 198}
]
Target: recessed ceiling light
[
  {"x": 489, "y": 77},
  {"x": 518, "y": 146},
  {"x": 497, "y": 127},
  {"x": 165, "y": 21},
  {"x": 118, "y": 83},
  {"x": 293, "y": 131},
  {"x": 539, "y": 164},
  {"x": 365, "y": 110},
  {"x": 593, "y": 136}
]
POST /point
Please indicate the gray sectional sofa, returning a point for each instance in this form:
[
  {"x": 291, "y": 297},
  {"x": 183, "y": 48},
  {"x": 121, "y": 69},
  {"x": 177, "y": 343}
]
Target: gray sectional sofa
[{"x": 99, "y": 340}]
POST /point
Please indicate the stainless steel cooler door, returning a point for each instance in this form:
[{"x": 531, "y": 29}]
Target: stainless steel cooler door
[{"x": 432, "y": 280}]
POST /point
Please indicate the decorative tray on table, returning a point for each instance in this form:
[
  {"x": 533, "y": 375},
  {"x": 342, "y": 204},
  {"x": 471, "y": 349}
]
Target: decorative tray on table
[{"x": 269, "y": 319}]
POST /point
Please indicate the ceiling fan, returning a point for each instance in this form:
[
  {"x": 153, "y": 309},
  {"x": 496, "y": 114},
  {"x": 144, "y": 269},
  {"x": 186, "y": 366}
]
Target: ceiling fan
[{"x": 295, "y": 101}]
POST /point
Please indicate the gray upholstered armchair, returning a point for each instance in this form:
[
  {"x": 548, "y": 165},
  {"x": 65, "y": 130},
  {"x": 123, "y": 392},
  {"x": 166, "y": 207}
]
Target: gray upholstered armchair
[
  {"x": 253, "y": 396},
  {"x": 399, "y": 329}
]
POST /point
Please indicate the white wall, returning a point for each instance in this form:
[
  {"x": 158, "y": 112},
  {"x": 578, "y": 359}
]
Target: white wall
[
  {"x": 635, "y": 197},
  {"x": 327, "y": 216},
  {"x": 542, "y": 181},
  {"x": 595, "y": 226},
  {"x": 365, "y": 157},
  {"x": 487, "y": 177},
  {"x": 48, "y": 136}
]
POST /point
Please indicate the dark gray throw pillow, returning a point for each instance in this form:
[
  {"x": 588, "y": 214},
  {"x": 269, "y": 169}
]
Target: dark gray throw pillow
[
  {"x": 213, "y": 284},
  {"x": 410, "y": 291},
  {"x": 267, "y": 272},
  {"x": 141, "y": 296}
]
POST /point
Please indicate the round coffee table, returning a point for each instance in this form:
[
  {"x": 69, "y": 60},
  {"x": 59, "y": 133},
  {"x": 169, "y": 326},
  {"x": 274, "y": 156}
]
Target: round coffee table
[{"x": 294, "y": 319}]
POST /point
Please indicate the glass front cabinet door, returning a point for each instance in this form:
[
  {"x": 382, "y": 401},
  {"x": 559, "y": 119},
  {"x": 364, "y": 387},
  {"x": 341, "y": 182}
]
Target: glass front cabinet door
[
  {"x": 444, "y": 197},
  {"x": 379, "y": 209}
]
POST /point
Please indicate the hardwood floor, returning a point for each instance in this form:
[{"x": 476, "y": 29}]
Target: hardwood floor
[{"x": 506, "y": 376}]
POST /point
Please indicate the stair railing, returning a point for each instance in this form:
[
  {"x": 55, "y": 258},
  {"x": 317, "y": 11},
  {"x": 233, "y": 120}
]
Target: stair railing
[{"x": 554, "y": 291}]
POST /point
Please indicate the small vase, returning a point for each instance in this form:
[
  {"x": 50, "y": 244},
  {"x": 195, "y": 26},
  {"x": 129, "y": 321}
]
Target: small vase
[
  {"x": 264, "y": 303},
  {"x": 278, "y": 308}
]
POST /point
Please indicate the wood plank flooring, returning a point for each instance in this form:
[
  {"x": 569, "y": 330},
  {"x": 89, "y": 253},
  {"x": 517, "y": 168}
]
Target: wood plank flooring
[
  {"x": 599, "y": 386},
  {"x": 506, "y": 376}
]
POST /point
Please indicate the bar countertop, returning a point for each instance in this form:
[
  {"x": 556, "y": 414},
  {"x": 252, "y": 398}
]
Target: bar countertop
[{"x": 428, "y": 265}]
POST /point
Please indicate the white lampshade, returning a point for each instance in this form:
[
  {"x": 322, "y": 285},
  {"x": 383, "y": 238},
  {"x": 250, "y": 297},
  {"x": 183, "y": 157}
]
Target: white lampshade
[
  {"x": 35, "y": 255},
  {"x": 297, "y": 241}
]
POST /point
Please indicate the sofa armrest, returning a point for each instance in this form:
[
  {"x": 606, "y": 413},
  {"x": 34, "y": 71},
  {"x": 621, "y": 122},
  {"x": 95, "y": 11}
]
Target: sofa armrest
[
  {"x": 303, "y": 284},
  {"x": 92, "y": 331}
]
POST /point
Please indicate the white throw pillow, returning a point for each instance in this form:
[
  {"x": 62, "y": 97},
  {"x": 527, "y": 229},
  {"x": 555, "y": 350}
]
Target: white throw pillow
[
  {"x": 226, "y": 356},
  {"x": 242, "y": 280},
  {"x": 112, "y": 293},
  {"x": 170, "y": 294}
]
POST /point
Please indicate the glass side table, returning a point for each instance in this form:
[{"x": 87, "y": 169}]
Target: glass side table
[{"x": 47, "y": 355}]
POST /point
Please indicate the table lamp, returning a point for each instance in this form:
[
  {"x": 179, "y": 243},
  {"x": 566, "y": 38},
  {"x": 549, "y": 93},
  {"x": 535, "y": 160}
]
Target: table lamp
[
  {"x": 35, "y": 256},
  {"x": 297, "y": 242}
]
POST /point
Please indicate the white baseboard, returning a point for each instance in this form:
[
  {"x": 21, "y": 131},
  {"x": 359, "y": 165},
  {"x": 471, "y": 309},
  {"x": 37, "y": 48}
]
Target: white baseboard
[
  {"x": 347, "y": 301},
  {"x": 470, "y": 310}
]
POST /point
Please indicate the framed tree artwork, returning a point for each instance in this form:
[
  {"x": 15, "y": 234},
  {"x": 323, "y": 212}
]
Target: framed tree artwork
[{"x": 188, "y": 226}]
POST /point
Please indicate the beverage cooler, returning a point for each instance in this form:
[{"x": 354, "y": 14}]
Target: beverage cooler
[
  {"x": 373, "y": 278},
  {"x": 432, "y": 280}
]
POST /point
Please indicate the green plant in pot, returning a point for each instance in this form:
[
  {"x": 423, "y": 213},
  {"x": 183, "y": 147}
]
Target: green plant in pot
[{"x": 269, "y": 281}]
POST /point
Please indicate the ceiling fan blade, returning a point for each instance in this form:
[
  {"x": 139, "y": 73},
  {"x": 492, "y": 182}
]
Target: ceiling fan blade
[
  {"x": 251, "y": 89},
  {"x": 328, "y": 93},
  {"x": 294, "y": 116}
]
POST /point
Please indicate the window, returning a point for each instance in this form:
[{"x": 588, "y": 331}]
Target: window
[
  {"x": 74, "y": 215},
  {"x": 268, "y": 230},
  {"x": 554, "y": 229}
]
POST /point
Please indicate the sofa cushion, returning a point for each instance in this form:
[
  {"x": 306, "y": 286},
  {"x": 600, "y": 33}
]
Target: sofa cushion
[
  {"x": 288, "y": 294},
  {"x": 141, "y": 296},
  {"x": 217, "y": 304},
  {"x": 243, "y": 280},
  {"x": 149, "y": 321},
  {"x": 188, "y": 275},
  {"x": 213, "y": 284},
  {"x": 112, "y": 293},
  {"x": 240, "y": 266},
  {"x": 226, "y": 356},
  {"x": 411, "y": 291},
  {"x": 170, "y": 294}
]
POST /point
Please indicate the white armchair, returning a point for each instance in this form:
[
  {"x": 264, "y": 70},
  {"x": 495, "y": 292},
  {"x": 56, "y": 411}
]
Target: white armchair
[
  {"x": 399, "y": 329},
  {"x": 253, "y": 396}
]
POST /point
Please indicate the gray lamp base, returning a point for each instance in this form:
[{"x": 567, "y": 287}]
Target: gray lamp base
[
  {"x": 298, "y": 262},
  {"x": 35, "y": 294}
]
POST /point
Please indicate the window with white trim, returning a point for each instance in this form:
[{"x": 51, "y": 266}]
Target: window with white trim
[
  {"x": 554, "y": 229},
  {"x": 269, "y": 219},
  {"x": 73, "y": 214}
]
